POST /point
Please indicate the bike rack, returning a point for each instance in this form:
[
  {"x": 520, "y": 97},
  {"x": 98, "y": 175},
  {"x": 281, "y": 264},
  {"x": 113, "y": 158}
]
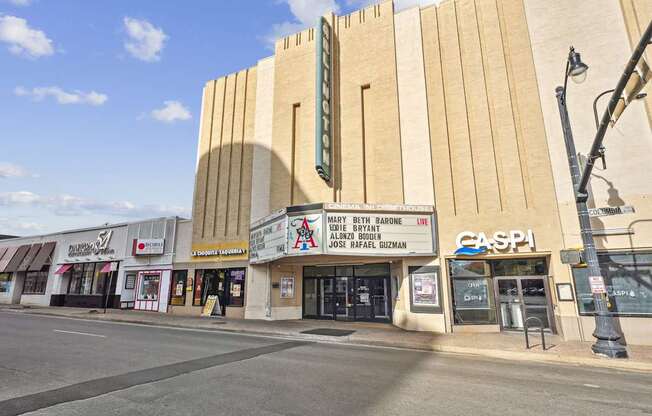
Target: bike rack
[{"x": 527, "y": 338}]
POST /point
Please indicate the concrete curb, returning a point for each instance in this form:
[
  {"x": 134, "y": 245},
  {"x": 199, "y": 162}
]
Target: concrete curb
[{"x": 542, "y": 357}]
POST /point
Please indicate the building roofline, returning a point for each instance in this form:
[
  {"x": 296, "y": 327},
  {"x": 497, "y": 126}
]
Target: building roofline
[{"x": 93, "y": 228}]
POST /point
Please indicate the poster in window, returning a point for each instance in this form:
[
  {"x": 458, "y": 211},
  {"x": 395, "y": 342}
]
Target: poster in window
[
  {"x": 235, "y": 290},
  {"x": 287, "y": 287},
  {"x": 149, "y": 286},
  {"x": 471, "y": 293},
  {"x": 130, "y": 281},
  {"x": 424, "y": 289}
]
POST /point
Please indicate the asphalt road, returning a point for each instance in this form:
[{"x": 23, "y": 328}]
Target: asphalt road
[{"x": 57, "y": 366}]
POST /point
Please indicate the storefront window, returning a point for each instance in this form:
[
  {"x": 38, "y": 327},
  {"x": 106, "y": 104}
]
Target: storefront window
[
  {"x": 149, "y": 286},
  {"x": 35, "y": 283},
  {"x": 520, "y": 267},
  {"x": 473, "y": 297},
  {"x": 76, "y": 275},
  {"x": 468, "y": 268},
  {"x": 319, "y": 271},
  {"x": 99, "y": 279},
  {"x": 178, "y": 289},
  {"x": 227, "y": 284},
  {"x": 628, "y": 278},
  {"x": 88, "y": 279},
  {"x": 236, "y": 282},
  {"x": 5, "y": 282},
  {"x": 424, "y": 288},
  {"x": 199, "y": 280}
]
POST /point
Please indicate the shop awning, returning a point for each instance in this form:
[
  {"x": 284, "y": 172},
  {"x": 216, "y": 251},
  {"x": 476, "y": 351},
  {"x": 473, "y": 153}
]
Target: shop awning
[
  {"x": 63, "y": 268},
  {"x": 43, "y": 257},
  {"x": 3, "y": 250},
  {"x": 9, "y": 254},
  {"x": 106, "y": 268},
  {"x": 18, "y": 257},
  {"x": 29, "y": 257}
]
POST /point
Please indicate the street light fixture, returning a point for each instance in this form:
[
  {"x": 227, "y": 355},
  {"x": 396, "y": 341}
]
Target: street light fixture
[
  {"x": 606, "y": 332},
  {"x": 576, "y": 69}
]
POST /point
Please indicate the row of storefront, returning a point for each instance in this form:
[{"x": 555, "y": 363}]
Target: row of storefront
[
  {"x": 318, "y": 196},
  {"x": 113, "y": 266},
  {"x": 323, "y": 261}
]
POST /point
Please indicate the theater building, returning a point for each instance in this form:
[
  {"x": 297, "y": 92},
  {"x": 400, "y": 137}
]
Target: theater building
[{"x": 409, "y": 168}]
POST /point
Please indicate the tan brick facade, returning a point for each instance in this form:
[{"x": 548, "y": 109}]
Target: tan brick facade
[{"x": 437, "y": 106}]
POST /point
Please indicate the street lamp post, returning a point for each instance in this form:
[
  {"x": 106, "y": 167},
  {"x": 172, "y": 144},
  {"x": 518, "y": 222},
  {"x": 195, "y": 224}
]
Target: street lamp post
[{"x": 606, "y": 332}]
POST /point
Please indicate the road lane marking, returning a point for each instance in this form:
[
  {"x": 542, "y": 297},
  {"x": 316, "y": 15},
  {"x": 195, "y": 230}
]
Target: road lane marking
[
  {"x": 97, "y": 387},
  {"x": 79, "y": 333},
  {"x": 593, "y": 386}
]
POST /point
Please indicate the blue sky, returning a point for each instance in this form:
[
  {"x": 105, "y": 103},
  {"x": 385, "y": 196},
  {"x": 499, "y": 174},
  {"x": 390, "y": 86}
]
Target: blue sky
[{"x": 100, "y": 101}]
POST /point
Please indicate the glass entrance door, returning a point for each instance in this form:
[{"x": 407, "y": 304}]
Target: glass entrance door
[
  {"x": 510, "y": 303},
  {"x": 347, "y": 292},
  {"x": 371, "y": 298},
  {"x": 343, "y": 303},
  {"x": 535, "y": 301},
  {"x": 521, "y": 298}
]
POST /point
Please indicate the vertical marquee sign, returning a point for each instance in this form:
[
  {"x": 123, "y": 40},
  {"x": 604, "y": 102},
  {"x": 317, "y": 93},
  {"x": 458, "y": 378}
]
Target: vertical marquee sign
[{"x": 324, "y": 94}]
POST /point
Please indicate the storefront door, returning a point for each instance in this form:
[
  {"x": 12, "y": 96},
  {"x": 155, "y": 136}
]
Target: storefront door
[
  {"x": 214, "y": 285},
  {"x": 520, "y": 298},
  {"x": 371, "y": 300},
  {"x": 338, "y": 293}
]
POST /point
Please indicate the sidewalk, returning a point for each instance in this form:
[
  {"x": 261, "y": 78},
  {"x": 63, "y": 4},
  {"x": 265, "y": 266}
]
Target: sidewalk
[{"x": 509, "y": 346}]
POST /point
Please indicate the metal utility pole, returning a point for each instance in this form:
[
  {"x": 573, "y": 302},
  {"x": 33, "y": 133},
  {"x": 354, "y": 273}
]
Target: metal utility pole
[
  {"x": 606, "y": 332},
  {"x": 606, "y": 118}
]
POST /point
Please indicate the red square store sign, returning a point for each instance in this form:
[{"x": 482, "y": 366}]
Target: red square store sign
[{"x": 148, "y": 246}]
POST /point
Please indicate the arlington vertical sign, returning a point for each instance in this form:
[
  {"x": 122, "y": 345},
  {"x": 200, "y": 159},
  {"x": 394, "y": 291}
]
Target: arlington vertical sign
[{"x": 324, "y": 113}]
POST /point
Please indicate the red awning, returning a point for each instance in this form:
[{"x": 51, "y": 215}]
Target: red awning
[
  {"x": 63, "y": 268},
  {"x": 106, "y": 268}
]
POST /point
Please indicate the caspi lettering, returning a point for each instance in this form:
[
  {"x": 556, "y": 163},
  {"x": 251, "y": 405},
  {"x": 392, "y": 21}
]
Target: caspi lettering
[{"x": 500, "y": 240}]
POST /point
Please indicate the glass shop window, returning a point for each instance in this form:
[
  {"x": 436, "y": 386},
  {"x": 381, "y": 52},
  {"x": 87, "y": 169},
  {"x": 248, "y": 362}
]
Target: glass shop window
[
  {"x": 87, "y": 279},
  {"x": 149, "y": 286},
  {"x": 520, "y": 267},
  {"x": 178, "y": 289},
  {"x": 628, "y": 279},
  {"x": 76, "y": 274},
  {"x": 199, "y": 278},
  {"x": 35, "y": 283},
  {"x": 5, "y": 282},
  {"x": 473, "y": 295},
  {"x": 236, "y": 282}
]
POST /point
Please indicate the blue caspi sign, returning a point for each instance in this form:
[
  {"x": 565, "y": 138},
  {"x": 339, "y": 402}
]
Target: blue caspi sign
[{"x": 323, "y": 113}]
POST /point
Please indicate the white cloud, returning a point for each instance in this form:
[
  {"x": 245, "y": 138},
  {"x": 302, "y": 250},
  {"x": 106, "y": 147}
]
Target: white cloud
[
  {"x": 145, "y": 40},
  {"x": 9, "y": 170},
  {"x": 281, "y": 30},
  {"x": 172, "y": 111},
  {"x": 70, "y": 205},
  {"x": 22, "y": 39},
  {"x": 19, "y": 227},
  {"x": 306, "y": 14},
  {"x": 61, "y": 96}
]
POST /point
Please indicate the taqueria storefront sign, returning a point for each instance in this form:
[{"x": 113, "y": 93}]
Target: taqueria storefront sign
[
  {"x": 348, "y": 229},
  {"x": 224, "y": 251}
]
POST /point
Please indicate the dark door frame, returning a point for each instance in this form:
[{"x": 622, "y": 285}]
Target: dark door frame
[
  {"x": 350, "y": 280},
  {"x": 499, "y": 313}
]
